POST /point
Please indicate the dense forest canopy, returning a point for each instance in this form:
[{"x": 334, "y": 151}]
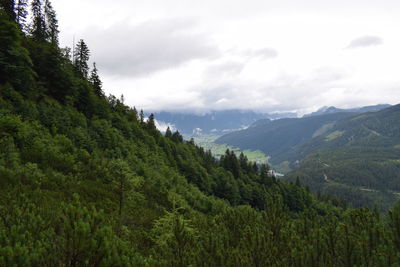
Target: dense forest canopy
[{"x": 87, "y": 181}]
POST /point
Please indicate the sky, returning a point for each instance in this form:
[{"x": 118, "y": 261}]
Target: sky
[{"x": 263, "y": 55}]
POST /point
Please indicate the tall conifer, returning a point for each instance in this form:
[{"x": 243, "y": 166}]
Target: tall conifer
[
  {"x": 81, "y": 58},
  {"x": 21, "y": 13},
  {"x": 95, "y": 81},
  {"x": 51, "y": 22},
  {"x": 38, "y": 26}
]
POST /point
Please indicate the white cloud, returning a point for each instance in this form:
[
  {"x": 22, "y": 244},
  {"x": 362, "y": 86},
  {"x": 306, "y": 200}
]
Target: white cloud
[
  {"x": 162, "y": 126},
  {"x": 265, "y": 55},
  {"x": 135, "y": 50}
]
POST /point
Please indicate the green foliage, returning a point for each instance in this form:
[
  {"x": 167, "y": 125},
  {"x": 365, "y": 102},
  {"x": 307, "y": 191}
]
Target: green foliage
[
  {"x": 15, "y": 63},
  {"x": 95, "y": 81},
  {"x": 51, "y": 23},
  {"x": 356, "y": 159},
  {"x": 85, "y": 182},
  {"x": 279, "y": 138},
  {"x": 38, "y": 25},
  {"x": 81, "y": 57}
]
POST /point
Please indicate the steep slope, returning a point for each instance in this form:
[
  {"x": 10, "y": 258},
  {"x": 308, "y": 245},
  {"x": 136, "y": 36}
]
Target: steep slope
[{"x": 85, "y": 181}]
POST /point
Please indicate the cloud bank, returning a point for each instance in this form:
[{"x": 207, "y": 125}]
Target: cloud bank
[{"x": 126, "y": 50}]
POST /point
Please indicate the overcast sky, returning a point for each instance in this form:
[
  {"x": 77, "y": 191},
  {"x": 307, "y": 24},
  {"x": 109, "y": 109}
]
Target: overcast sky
[{"x": 265, "y": 55}]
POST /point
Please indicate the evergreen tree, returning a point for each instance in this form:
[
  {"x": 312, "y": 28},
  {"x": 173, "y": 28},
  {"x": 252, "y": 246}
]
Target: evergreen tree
[
  {"x": 141, "y": 116},
  {"x": 265, "y": 178},
  {"x": 51, "y": 23},
  {"x": 15, "y": 63},
  {"x": 8, "y": 7},
  {"x": 21, "y": 13},
  {"x": 168, "y": 133},
  {"x": 81, "y": 58},
  {"x": 135, "y": 114},
  {"x": 177, "y": 137},
  {"x": 243, "y": 161},
  {"x": 38, "y": 25},
  {"x": 95, "y": 81},
  {"x": 151, "y": 125}
]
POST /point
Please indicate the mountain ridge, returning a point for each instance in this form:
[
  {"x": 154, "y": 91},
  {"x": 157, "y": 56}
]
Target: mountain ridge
[
  {"x": 218, "y": 122},
  {"x": 333, "y": 109}
]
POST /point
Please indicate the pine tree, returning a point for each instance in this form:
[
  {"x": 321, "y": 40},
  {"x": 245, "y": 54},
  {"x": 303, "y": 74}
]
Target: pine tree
[
  {"x": 95, "y": 81},
  {"x": 38, "y": 26},
  {"x": 81, "y": 57},
  {"x": 51, "y": 23}
]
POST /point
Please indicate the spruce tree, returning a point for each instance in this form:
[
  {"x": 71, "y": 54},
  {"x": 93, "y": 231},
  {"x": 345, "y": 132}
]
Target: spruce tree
[
  {"x": 38, "y": 26},
  {"x": 21, "y": 13},
  {"x": 95, "y": 81},
  {"x": 51, "y": 22},
  {"x": 81, "y": 57},
  {"x": 168, "y": 133},
  {"x": 151, "y": 125},
  {"x": 141, "y": 116}
]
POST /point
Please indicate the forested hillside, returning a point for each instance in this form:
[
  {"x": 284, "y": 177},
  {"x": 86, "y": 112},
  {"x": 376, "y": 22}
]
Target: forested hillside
[
  {"x": 86, "y": 181},
  {"x": 357, "y": 159},
  {"x": 279, "y": 138},
  {"x": 348, "y": 154}
]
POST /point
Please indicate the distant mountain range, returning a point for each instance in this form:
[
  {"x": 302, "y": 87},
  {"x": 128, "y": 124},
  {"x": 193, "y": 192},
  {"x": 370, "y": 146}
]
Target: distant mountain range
[
  {"x": 332, "y": 109},
  {"x": 357, "y": 159},
  {"x": 226, "y": 121},
  {"x": 280, "y": 138},
  {"x": 218, "y": 122},
  {"x": 353, "y": 155}
]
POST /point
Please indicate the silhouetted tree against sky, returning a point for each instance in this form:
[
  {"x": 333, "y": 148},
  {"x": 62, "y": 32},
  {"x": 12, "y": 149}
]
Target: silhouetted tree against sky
[
  {"x": 95, "y": 81},
  {"x": 81, "y": 58},
  {"x": 51, "y": 22},
  {"x": 38, "y": 25}
]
